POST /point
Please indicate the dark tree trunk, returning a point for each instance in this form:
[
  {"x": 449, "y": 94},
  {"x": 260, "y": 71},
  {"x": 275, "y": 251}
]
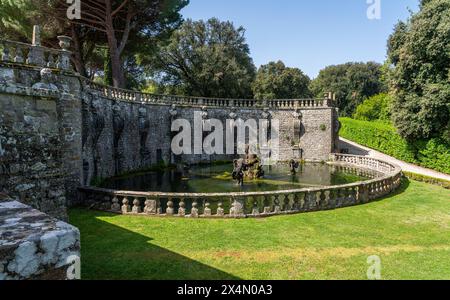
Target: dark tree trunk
[
  {"x": 78, "y": 53},
  {"x": 116, "y": 62}
]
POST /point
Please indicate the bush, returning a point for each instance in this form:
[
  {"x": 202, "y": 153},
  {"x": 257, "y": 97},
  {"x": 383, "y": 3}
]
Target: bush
[
  {"x": 374, "y": 108},
  {"x": 430, "y": 180},
  {"x": 433, "y": 154}
]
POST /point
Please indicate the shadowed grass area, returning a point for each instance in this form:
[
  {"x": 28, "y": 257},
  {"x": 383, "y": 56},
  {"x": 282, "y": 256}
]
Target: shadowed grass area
[{"x": 410, "y": 231}]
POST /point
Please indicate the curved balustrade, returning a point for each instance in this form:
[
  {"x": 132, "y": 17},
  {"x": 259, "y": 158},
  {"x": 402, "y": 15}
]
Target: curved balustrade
[
  {"x": 146, "y": 98},
  {"x": 253, "y": 204},
  {"x": 33, "y": 55},
  {"x": 21, "y": 53}
]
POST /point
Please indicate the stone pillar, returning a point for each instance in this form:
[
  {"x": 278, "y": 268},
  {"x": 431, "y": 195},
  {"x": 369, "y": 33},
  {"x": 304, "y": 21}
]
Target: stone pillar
[
  {"x": 70, "y": 123},
  {"x": 36, "y": 35},
  {"x": 36, "y": 54}
]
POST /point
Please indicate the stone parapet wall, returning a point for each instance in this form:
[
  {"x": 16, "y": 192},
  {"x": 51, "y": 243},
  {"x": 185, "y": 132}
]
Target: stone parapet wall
[
  {"x": 40, "y": 137},
  {"x": 34, "y": 245}
]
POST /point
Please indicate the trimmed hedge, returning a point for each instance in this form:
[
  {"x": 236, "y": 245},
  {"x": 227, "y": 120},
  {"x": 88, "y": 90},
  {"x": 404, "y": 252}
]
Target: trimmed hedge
[
  {"x": 435, "y": 181},
  {"x": 433, "y": 154}
]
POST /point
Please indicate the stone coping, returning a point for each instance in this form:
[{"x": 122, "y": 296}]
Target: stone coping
[
  {"x": 124, "y": 95},
  {"x": 34, "y": 245}
]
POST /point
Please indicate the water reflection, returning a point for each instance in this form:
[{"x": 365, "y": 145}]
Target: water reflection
[{"x": 217, "y": 179}]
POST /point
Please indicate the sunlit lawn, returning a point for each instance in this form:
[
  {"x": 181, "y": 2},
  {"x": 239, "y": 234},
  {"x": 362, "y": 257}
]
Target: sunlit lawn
[{"x": 409, "y": 231}]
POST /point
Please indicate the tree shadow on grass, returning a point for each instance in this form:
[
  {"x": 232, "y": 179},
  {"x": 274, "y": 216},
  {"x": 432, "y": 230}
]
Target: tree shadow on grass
[{"x": 112, "y": 252}]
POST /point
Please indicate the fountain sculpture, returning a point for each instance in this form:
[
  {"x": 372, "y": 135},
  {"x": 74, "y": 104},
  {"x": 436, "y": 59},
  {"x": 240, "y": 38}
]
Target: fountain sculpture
[{"x": 249, "y": 167}]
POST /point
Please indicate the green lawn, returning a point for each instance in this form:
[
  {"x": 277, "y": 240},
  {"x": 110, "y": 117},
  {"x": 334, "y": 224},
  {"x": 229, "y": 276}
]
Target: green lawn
[{"x": 410, "y": 232}]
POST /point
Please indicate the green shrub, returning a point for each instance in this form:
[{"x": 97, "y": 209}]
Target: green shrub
[
  {"x": 427, "y": 179},
  {"x": 374, "y": 108},
  {"x": 433, "y": 154}
]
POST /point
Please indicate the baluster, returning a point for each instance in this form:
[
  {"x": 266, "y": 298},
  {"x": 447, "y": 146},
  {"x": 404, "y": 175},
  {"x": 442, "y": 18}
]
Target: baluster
[
  {"x": 136, "y": 206},
  {"x": 296, "y": 203},
  {"x": 207, "y": 211},
  {"x": 5, "y": 52},
  {"x": 115, "y": 204},
  {"x": 126, "y": 208},
  {"x": 182, "y": 209},
  {"x": 194, "y": 210},
  {"x": 255, "y": 210},
  {"x": 50, "y": 61},
  {"x": 332, "y": 199},
  {"x": 170, "y": 210},
  {"x": 220, "y": 210},
  {"x": 277, "y": 207},
  {"x": 19, "y": 55}
]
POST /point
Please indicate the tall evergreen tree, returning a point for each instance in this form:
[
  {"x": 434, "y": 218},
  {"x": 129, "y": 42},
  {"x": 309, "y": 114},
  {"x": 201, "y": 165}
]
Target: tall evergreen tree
[{"x": 419, "y": 50}]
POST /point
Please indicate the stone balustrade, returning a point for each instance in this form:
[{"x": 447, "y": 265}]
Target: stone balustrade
[
  {"x": 34, "y": 55},
  {"x": 252, "y": 204},
  {"x": 146, "y": 98}
]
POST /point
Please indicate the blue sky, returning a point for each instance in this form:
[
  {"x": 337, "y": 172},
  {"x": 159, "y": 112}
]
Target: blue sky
[{"x": 308, "y": 34}]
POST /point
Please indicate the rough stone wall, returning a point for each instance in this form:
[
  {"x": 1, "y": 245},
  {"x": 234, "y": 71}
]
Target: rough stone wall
[
  {"x": 40, "y": 138},
  {"x": 119, "y": 136}
]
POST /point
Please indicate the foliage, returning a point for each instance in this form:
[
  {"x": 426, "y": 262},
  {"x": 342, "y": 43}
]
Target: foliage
[
  {"x": 433, "y": 154},
  {"x": 412, "y": 231},
  {"x": 420, "y": 80},
  {"x": 206, "y": 58},
  {"x": 430, "y": 180},
  {"x": 126, "y": 27},
  {"x": 374, "y": 108},
  {"x": 351, "y": 82},
  {"x": 276, "y": 81}
]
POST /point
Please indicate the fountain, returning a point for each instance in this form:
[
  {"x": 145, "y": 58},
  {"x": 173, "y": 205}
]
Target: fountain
[{"x": 249, "y": 167}]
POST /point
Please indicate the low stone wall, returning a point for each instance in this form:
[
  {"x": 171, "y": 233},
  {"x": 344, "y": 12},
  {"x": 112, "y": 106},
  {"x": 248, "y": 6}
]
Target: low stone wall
[
  {"x": 36, "y": 246},
  {"x": 253, "y": 204}
]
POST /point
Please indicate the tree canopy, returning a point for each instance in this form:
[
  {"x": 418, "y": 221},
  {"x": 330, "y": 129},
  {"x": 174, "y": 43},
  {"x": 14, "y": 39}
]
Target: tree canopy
[
  {"x": 206, "y": 58},
  {"x": 375, "y": 108},
  {"x": 114, "y": 24},
  {"x": 419, "y": 51},
  {"x": 351, "y": 82},
  {"x": 276, "y": 81}
]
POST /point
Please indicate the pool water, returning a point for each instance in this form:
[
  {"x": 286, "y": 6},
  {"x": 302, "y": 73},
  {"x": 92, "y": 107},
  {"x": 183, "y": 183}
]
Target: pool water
[{"x": 217, "y": 179}]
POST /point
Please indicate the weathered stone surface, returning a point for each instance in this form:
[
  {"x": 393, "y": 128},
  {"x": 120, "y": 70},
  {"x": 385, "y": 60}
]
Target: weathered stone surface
[{"x": 34, "y": 245}]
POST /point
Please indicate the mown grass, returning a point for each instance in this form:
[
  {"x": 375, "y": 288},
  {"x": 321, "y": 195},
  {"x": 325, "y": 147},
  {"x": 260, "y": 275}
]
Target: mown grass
[{"x": 410, "y": 231}]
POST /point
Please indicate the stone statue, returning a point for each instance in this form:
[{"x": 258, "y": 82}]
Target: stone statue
[
  {"x": 238, "y": 171},
  {"x": 293, "y": 166},
  {"x": 46, "y": 81},
  {"x": 248, "y": 167}
]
